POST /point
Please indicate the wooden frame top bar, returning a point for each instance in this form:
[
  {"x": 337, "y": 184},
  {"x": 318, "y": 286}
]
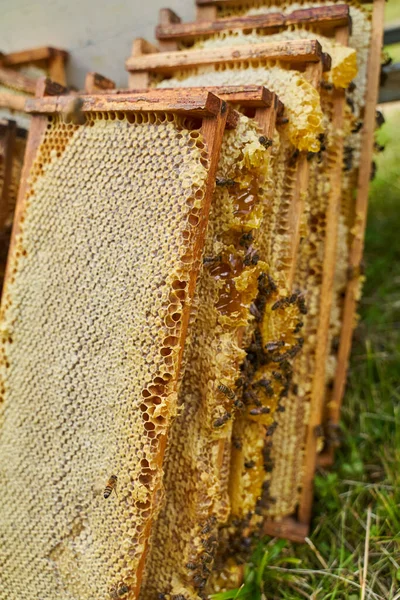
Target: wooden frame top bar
[
  {"x": 324, "y": 16},
  {"x": 199, "y": 104},
  {"x": 227, "y": 3},
  {"x": 14, "y": 79},
  {"x": 293, "y": 52},
  {"x": 256, "y": 96},
  {"x": 31, "y": 55}
]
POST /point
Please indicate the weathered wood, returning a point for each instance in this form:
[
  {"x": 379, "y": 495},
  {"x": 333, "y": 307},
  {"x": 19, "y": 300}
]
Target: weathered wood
[
  {"x": 237, "y": 3},
  {"x": 57, "y": 69},
  {"x": 47, "y": 87},
  {"x": 295, "y": 52},
  {"x": 357, "y": 244},
  {"x": 289, "y": 528},
  {"x": 96, "y": 83},
  {"x": 14, "y": 79},
  {"x": 322, "y": 16},
  {"x": 32, "y": 55},
  {"x": 8, "y": 135},
  {"x": 251, "y": 96},
  {"x": 203, "y": 104},
  {"x": 36, "y": 132}
]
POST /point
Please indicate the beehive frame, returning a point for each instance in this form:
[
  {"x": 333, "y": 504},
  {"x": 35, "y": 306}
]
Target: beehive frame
[
  {"x": 361, "y": 208},
  {"x": 214, "y": 115},
  {"x": 52, "y": 59},
  {"x": 147, "y": 59},
  {"x": 171, "y": 30}
]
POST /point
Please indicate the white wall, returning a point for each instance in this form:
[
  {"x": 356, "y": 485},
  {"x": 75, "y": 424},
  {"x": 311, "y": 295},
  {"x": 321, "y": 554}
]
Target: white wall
[{"x": 97, "y": 33}]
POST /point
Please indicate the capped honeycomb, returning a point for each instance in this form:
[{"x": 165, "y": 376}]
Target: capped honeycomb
[
  {"x": 300, "y": 98},
  {"x": 92, "y": 331}
]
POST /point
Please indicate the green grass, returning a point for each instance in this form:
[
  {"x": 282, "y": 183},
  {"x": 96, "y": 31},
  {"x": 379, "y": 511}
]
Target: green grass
[{"x": 360, "y": 499}]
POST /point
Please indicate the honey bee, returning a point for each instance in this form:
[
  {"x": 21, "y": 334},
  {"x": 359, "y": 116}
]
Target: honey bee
[
  {"x": 73, "y": 111},
  {"x": 226, "y": 391},
  {"x": 281, "y": 408},
  {"x": 191, "y": 566},
  {"x": 350, "y": 102},
  {"x": 272, "y": 346},
  {"x": 237, "y": 443},
  {"x": 246, "y": 239},
  {"x": 293, "y": 158},
  {"x": 264, "y": 141},
  {"x": 301, "y": 303},
  {"x": 325, "y": 85},
  {"x": 249, "y": 464},
  {"x": 255, "y": 312},
  {"x": 264, "y": 410},
  {"x": 220, "y": 422},
  {"x": 271, "y": 428},
  {"x": 298, "y": 327},
  {"x": 378, "y": 147},
  {"x": 282, "y": 121},
  {"x": 111, "y": 486},
  {"x": 221, "y": 182},
  {"x": 379, "y": 118},
  {"x": 209, "y": 260},
  {"x": 374, "y": 169},
  {"x": 357, "y": 127},
  {"x": 352, "y": 86},
  {"x": 280, "y": 304},
  {"x": 119, "y": 591}
]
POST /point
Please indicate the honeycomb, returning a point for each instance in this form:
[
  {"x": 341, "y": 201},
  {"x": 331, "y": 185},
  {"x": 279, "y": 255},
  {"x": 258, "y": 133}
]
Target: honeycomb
[
  {"x": 92, "y": 330},
  {"x": 300, "y": 98}
]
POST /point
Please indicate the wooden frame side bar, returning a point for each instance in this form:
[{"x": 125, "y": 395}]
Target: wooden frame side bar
[
  {"x": 296, "y": 52},
  {"x": 326, "y": 299},
  {"x": 7, "y": 141},
  {"x": 357, "y": 245},
  {"x": 323, "y": 16}
]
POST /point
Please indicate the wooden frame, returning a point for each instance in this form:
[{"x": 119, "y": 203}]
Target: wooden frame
[
  {"x": 358, "y": 234},
  {"x": 208, "y": 9},
  {"x": 8, "y": 133},
  {"x": 171, "y": 31},
  {"x": 146, "y": 59},
  {"x": 54, "y": 60},
  {"x": 214, "y": 114}
]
